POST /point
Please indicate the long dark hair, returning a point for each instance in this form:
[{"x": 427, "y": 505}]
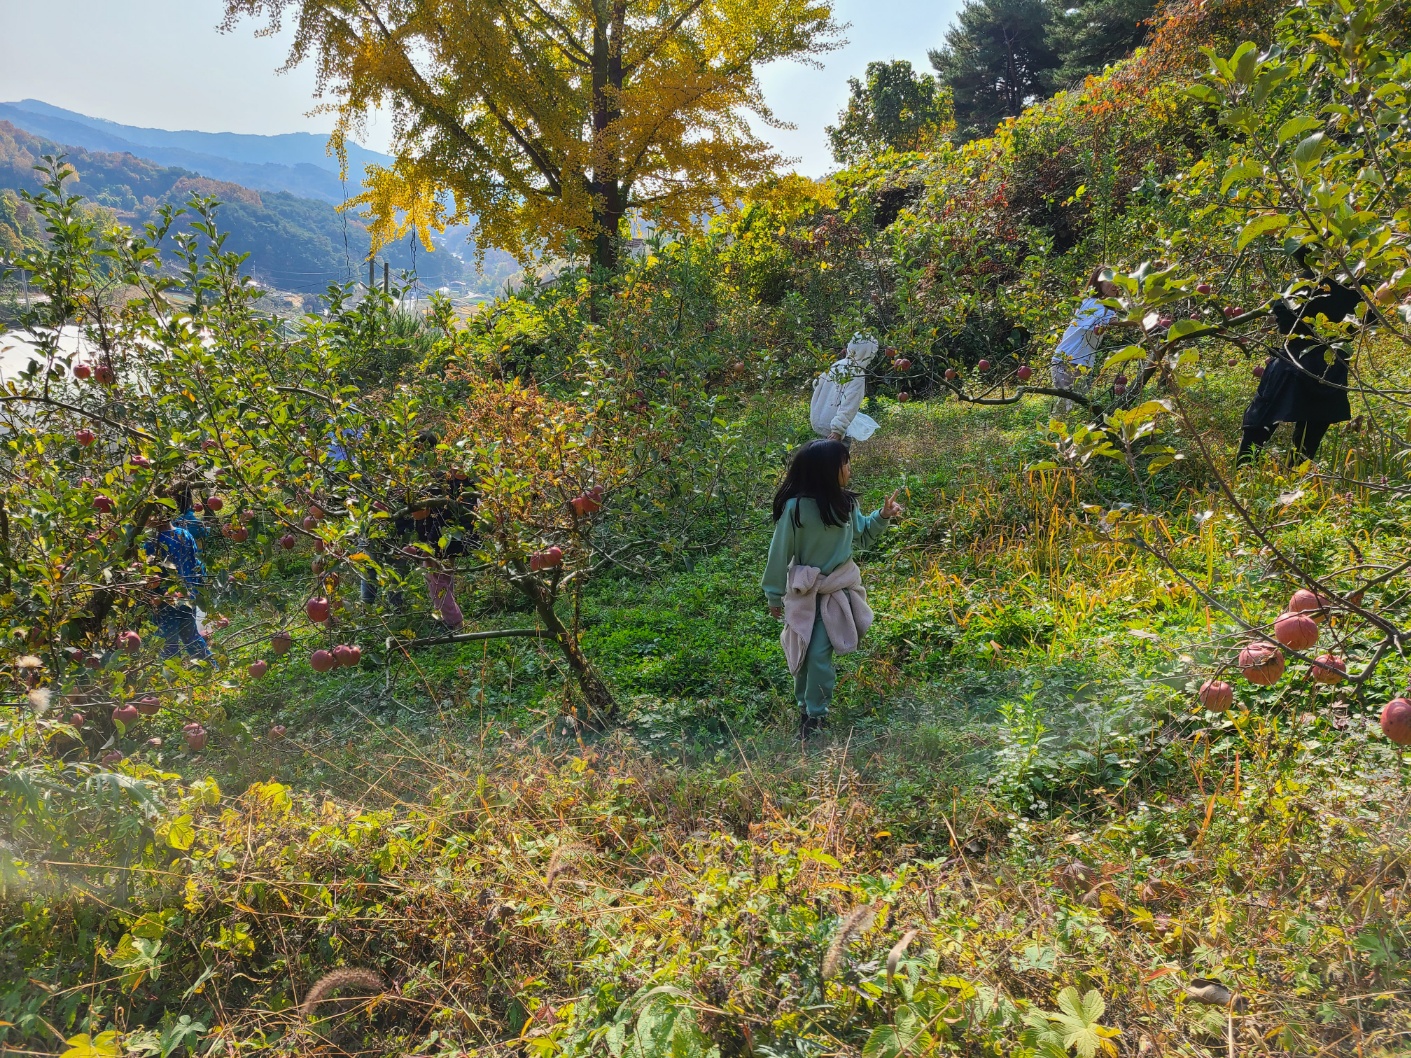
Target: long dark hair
[{"x": 813, "y": 474}]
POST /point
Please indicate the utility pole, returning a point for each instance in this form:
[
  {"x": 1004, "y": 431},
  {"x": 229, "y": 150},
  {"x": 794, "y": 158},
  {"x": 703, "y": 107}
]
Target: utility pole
[
  {"x": 386, "y": 277},
  {"x": 371, "y": 274}
]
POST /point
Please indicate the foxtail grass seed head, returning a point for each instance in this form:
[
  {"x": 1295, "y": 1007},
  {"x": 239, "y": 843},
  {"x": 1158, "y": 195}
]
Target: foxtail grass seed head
[{"x": 857, "y": 922}]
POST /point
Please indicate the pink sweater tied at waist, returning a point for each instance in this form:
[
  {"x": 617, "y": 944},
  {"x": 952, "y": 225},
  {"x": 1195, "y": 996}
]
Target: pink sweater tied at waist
[{"x": 839, "y": 599}]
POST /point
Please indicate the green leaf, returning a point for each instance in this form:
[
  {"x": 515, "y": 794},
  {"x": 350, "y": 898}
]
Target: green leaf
[
  {"x": 1309, "y": 150},
  {"x": 181, "y": 835},
  {"x": 1260, "y": 225},
  {"x": 818, "y": 856},
  {"x": 105, "y": 1045},
  {"x": 1122, "y": 356},
  {"x": 1297, "y": 127},
  {"x": 1242, "y": 171},
  {"x": 185, "y": 1033},
  {"x": 1244, "y": 62},
  {"x": 1188, "y": 328},
  {"x": 907, "y": 1037}
]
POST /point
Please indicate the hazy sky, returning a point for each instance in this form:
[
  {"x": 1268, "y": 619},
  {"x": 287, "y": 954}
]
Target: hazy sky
[{"x": 161, "y": 63}]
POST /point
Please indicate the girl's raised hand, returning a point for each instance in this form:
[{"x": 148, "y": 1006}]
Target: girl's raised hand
[{"x": 891, "y": 508}]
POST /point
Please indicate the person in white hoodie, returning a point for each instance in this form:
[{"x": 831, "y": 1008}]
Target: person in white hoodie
[{"x": 837, "y": 395}]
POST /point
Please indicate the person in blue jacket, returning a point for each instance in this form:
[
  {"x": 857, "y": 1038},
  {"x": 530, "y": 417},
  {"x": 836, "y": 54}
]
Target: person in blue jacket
[{"x": 173, "y": 547}]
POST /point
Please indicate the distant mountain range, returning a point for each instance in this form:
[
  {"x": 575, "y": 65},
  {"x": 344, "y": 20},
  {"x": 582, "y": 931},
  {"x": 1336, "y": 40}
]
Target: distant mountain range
[
  {"x": 295, "y": 244},
  {"x": 278, "y": 194},
  {"x": 297, "y": 162}
]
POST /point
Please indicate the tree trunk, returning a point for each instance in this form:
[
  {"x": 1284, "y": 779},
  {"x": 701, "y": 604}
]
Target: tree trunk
[
  {"x": 605, "y": 185},
  {"x": 602, "y": 708}
]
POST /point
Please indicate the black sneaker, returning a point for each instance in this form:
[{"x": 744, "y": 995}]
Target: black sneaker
[{"x": 810, "y": 725}]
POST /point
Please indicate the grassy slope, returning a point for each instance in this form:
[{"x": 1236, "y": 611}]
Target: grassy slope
[{"x": 1023, "y": 707}]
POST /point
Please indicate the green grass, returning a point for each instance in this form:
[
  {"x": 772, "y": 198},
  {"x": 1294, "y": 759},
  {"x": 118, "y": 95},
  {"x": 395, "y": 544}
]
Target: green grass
[{"x": 1024, "y": 703}]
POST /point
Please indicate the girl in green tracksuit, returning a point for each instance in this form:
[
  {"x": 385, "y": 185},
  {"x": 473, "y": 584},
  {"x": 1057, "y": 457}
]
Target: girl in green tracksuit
[{"x": 810, "y": 571}]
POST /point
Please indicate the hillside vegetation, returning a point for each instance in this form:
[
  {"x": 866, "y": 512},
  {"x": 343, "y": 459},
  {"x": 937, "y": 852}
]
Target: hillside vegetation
[{"x": 581, "y": 824}]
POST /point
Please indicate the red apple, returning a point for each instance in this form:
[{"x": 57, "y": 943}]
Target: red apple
[
  {"x": 952, "y": 374},
  {"x": 1119, "y": 388},
  {"x": 1230, "y": 312},
  {"x": 903, "y": 397},
  {"x": 739, "y": 366},
  {"x": 322, "y": 661},
  {"x": 222, "y": 621},
  {"x": 240, "y": 535},
  {"x": 1396, "y": 721},
  {"x": 315, "y": 511},
  {"x": 340, "y": 654},
  {"x": 310, "y": 523},
  {"x": 1297, "y": 631},
  {"x": 130, "y": 642},
  {"x": 214, "y": 504},
  {"x": 148, "y": 705},
  {"x": 1202, "y": 288},
  {"x": 280, "y": 643},
  {"x": 287, "y": 541},
  {"x": 1262, "y": 663},
  {"x": 126, "y": 715},
  {"x": 903, "y": 364},
  {"x": 1025, "y": 372},
  {"x": 354, "y": 656},
  {"x": 277, "y": 732},
  {"x": 195, "y": 737},
  {"x": 103, "y": 503},
  {"x": 1217, "y": 695},
  {"x": 104, "y": 374},
  {"x": 318, "y": 610},
  {"x": 94, "y": 661},
  {"x": 85, "y": 436},
  {"x": 1329, "y": 669},
  {"x": 1257, "y": 371},
  {"x": 1309, "y": 602},
  {"x": 76, "y": 720},
  {"x": 258, "y": 668},
  {"x": 82, "y": 372},
  {"x": 75, "y": 655},
  {"x": 113, "y": 756},
  {"x": 983, "y": 365}
]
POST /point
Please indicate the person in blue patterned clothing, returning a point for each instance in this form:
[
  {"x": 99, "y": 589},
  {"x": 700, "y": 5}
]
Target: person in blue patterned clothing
[{"x": 173, "y": 547}]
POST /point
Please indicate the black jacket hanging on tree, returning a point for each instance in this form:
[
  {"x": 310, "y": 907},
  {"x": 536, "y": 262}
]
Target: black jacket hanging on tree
[{"x": 1299, "y": 385}]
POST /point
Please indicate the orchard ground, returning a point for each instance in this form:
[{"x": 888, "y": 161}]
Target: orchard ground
[{"x": 1016, "y": 767}]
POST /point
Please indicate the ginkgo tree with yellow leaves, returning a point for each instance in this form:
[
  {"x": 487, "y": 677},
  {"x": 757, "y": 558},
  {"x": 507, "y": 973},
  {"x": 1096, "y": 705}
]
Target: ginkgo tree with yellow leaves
[{"x": 550, "y": 122}]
